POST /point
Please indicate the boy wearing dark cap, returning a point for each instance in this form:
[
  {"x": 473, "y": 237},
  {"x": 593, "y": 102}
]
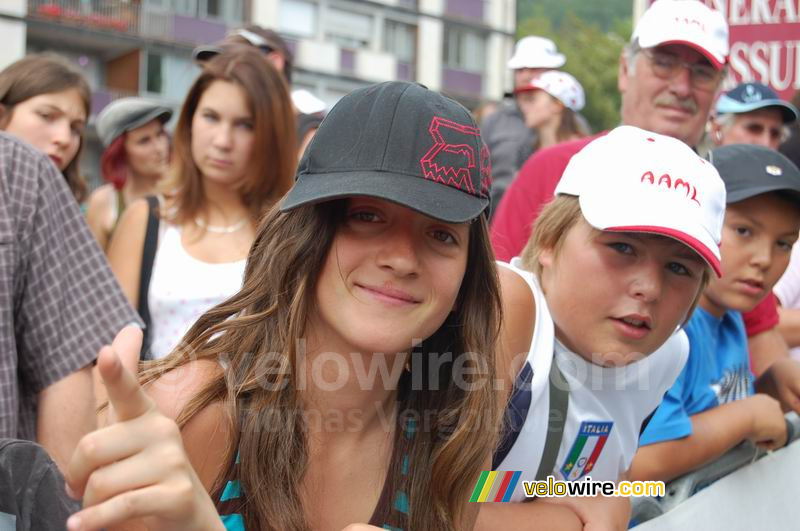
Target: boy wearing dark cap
[{"x": 714, "y": 405}]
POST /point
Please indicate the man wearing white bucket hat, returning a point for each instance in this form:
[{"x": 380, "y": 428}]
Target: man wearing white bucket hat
[{"x": 509, "y": 140}]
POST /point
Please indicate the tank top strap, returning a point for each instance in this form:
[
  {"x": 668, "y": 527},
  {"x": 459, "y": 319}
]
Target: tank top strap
[
  {"x": 397, "y": 498},
  {"x": 117, "y": 208},
  {"x": 229, "y": 500}
]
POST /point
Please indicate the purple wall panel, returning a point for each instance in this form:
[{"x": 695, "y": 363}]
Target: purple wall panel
[
  {"x": 100, "y": 98},
  {"x": 405, "y": 72},
  {"x": 190, "y": 29},
  {"x": 465, "y": 8},
  {"x": 347, "y": 60},
  {"x": 462, "y": 82},
  {"x": 292, "y": 45}
]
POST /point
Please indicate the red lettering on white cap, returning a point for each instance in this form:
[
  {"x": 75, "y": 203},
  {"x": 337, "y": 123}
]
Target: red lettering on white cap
[{"x": 666, "y": 181}]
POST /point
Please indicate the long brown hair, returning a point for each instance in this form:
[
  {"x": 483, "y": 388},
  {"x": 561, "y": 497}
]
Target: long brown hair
[
  {"x": 46, "y": 73},
  {"x": 570, "y": 127},
  {"x": 269, "y": 316},
  {"x": 274, "y": 157}
]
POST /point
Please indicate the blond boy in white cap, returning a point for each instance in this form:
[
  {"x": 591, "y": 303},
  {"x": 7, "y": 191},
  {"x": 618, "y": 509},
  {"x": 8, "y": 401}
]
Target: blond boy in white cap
[{"x": 616, "y": 264}]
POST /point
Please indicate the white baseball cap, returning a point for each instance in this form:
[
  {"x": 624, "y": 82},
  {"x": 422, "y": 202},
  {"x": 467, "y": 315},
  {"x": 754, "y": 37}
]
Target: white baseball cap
[
  {"x": 561, "y": 86},
  {"x": 536, "y": 52},
  {"x": 686, "y": 22},
  {"x": 632, "y": 180}
]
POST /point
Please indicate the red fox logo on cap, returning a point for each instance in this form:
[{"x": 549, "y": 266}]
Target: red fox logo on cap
[{"x": 452, "y": 157}]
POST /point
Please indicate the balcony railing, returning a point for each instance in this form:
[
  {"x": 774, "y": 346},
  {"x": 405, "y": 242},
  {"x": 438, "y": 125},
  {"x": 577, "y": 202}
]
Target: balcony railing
[
  {"x": 111, "y": 16},
  {"x": 123, "y": 17}
]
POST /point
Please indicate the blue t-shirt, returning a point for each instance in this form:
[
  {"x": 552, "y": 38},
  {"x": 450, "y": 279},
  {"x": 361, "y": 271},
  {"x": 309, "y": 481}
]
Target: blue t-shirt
[{"x": 717, "y": 372}]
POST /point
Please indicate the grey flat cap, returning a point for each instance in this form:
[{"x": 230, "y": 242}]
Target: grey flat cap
[{"x": 125, "y": 114}]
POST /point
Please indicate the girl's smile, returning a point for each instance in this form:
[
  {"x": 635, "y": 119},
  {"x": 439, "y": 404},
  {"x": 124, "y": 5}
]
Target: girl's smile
[{"x": 392, "y": 276}]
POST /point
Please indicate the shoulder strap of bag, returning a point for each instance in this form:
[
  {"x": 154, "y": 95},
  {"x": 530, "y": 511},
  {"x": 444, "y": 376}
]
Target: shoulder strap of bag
[
  {"x": 559, "y": 401},
  {"x": 148, "y": 257}
]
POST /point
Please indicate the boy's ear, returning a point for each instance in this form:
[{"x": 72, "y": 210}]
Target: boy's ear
[{"x": 546, "y": 257}]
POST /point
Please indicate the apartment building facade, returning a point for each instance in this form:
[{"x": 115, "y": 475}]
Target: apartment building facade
[{"x": 129, "y": 47}]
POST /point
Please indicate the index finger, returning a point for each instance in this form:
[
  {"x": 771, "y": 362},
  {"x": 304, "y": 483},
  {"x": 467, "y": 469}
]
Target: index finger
[{"x": 125, "y": 394}]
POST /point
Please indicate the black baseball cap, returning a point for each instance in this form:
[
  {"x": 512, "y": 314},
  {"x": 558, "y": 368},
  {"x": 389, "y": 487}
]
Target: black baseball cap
[
  {"x": 749, "y": 170},
  {"x": 401, "y": 142}
]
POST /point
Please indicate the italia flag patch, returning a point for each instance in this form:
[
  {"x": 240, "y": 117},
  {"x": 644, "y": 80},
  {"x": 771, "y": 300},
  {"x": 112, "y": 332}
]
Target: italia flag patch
[{"x": 586, "y": 449}]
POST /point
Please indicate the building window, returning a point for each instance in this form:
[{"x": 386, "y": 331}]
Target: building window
[
  {"x": 186, "y": 7},
  {"x": 169, "y": 76},
  {"x": 155, "y": 79},
  {"x": 157, "y": 4},
  {"x": 213, "y": 8},
  {"x": 464, "y": 50},
  {"x": 229, "y": 10},
  {"x": 400, "y": 40},
  {"x": 348, "y": 29},
  {"x": 298, "y": 18}
]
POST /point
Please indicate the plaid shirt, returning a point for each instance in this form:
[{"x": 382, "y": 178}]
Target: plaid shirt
[{"x": 59, "y": 301}]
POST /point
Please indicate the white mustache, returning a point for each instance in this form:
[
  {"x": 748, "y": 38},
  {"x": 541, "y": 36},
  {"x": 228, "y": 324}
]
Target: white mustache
[{"x": 669, "y": 99}]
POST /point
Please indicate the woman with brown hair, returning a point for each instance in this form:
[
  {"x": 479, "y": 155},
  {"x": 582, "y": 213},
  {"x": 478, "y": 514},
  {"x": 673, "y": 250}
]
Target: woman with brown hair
[
  {"x": 350, "y": 380},
  {"x": 550, "y": 104},
  {"x": 234, "y": 157},
  {"x": 46, "y": 101},
  {"x": 135, "y": 158}
]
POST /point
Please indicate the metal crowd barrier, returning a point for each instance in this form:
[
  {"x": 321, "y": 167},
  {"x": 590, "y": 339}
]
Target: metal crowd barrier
[{"x": 680, "y": 489}]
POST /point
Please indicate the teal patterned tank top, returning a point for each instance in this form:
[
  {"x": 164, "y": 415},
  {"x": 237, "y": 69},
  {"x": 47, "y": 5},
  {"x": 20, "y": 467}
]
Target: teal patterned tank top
[{"x": 230, "y": 501}]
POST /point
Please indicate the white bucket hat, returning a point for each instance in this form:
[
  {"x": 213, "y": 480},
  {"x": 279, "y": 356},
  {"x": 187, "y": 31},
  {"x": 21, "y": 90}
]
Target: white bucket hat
[{"x": 536, "y": 52}]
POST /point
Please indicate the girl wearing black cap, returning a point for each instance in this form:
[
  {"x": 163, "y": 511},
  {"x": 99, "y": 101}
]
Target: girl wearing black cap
[
  {"x": 135, "y": 158},
  {"x": 45, "y": 101},
  {"x": 349, "y": 380},
  {"x": 234, "y": 157}
]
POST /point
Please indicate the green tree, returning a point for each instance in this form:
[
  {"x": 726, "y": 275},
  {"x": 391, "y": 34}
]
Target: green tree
[
  {"x": 603, "y": 13},
  {"x": 592, "y": 57}
]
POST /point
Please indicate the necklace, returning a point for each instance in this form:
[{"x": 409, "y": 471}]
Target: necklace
[{"x": 216, "y": 229}]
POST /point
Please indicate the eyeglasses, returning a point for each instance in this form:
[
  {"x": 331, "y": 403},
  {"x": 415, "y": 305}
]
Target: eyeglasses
[{"x": 666, "y": 66}]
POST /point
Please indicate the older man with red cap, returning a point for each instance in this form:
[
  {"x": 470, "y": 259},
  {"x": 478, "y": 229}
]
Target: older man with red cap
[{"x": 669, "y": 76}]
